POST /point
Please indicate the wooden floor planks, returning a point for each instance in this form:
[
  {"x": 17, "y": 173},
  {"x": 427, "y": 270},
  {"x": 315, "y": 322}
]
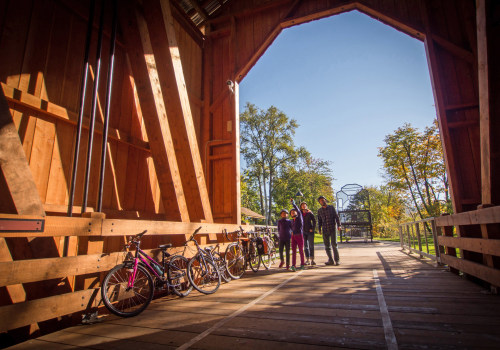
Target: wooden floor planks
[{"x": 324, "y": 307}]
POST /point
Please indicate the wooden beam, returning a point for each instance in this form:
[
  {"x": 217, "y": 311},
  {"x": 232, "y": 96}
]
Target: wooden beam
[
  {"x": 188, "y": 25},
  {"x": 59, "y": 226},
  {"x": 454, "y": 48},
  {"x": 201, "y": 11},
  {"x": 186, "y": 109},
  {"x": 151, "y": 94},
  {"x": 236, "y": 154},
  {"x": 391, "y": 20},
  {"x": 293, "y": 21},
  {"x": 485, "y": 273},
  {"x": 479, "y": 245},
  {"x": 242, "y": 71},
  {"x": 484, "y": 103},
  {"x": 20, "y": 190},
  {"x": 46, "y": 308},
  {"x": 25, "y": 102},
  {"x": 439, "y": 101},
  {"x": 476, "y": 217}
]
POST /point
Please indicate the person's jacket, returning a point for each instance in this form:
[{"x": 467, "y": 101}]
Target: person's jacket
[
  {"x": 298, "y": 222},
  {"x": 309, "y": 222},
  {"x": 327, "y": 218},
  {"x": 284, "y": 229}
]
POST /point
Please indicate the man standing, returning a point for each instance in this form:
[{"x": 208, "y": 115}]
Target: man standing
[{"x": 327, "y": 217}]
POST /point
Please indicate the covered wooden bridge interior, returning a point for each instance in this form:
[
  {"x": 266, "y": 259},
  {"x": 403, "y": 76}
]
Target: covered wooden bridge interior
[{"x": 168, "y": 105}]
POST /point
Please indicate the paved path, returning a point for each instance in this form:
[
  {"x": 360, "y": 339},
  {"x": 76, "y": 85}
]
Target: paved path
[{"x": 378, "y": 298}]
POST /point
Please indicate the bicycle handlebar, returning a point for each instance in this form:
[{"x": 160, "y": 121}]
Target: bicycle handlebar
[
  {"x": 194, "y": 234},
  {"x": 135, "y": 239}
]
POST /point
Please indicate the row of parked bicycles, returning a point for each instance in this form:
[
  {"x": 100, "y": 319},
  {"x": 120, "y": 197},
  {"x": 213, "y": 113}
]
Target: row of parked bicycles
[{"x": 129, "y": 287}]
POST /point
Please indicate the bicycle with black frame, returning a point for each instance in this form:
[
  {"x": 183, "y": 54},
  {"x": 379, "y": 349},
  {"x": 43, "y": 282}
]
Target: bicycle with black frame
[{"x": 203, "y": 268}]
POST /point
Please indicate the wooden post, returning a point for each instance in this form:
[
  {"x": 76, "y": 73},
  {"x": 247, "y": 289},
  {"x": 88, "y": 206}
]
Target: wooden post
[
  {"x": 487, "y": 258},
  {"x": 484, "y": 104},
  {"x": 417, "y": 229},
  {"x": 426, "y": 240},
  {"x": 437, "y": 247},
  {"x": 401, "y": 237},
  {"x": 448, "y": 231},
  {"x": 409, "y": 238}
]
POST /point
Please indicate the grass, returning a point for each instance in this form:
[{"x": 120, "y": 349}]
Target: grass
[{"x": 318, "y": 239}]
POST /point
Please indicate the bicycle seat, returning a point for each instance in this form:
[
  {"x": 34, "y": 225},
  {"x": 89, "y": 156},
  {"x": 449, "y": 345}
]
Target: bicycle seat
[{"x": 165, "y": 246}]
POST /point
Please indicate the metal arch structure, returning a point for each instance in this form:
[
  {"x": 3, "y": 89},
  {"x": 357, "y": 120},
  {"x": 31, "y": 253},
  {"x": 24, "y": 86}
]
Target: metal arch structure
[{"x": 353, "y": 205}]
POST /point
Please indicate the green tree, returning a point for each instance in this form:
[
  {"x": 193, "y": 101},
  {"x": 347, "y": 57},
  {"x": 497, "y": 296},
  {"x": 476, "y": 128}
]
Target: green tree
[
  {"x": 414, "y": 164},
  {"x": 312, "y": 176},
  {"x": 266, "y": 145},
  {"x": 388, "y": 210}
]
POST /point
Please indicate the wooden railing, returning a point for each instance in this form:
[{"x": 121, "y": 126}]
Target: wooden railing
[
  {"x": 419, "y": 235},
  {"x": 17, "y": 277},
  {"x": 455, "y": 236}
]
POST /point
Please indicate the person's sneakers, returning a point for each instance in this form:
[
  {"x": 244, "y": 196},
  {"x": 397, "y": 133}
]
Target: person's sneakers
[
  {"x": 337, "y": 263},
  {"x": 313, "y": 263},
  {"x": 307, "y": 262},
  {"x": 281, "y": 264},
  {"x": 302, "y": 267},
  {"x": 329, "y": 263},
  {"x": 293, "y": 269}
]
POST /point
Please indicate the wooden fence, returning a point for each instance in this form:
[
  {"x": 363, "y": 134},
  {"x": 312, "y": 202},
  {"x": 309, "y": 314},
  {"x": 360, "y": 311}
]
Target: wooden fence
[
  {"x": 468, "y": 242},
  {"x": 19, "y": 278}
]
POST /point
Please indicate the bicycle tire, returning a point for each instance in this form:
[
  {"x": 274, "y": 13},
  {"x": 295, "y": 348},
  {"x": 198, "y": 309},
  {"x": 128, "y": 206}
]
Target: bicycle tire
[
  {"x": 235, "y": 261},
  {"x": 272, "y": 251},
  {"x": 119, "y": 299},
  {"x": 204, "y": 278},
  {"x": 265, "y": 260},
  {"x": 178, "y": 276},
  {"x": 221, "y": 264},
  {"x": 253, "y": 257}
]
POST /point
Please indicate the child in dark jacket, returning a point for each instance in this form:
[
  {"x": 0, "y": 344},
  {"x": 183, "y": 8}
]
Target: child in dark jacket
[
  {"x": 309, "y": 228},
  {"x": 297, "y": 235},
  {"x": 284, "y": 232}
]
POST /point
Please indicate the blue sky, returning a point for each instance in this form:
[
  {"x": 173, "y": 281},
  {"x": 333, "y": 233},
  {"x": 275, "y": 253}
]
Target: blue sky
[{"x": 348, "y": 80}]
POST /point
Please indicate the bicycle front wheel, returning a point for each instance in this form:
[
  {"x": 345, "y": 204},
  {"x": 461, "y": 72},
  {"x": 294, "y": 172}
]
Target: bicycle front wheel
[
  {"x": 178, "y": 276},
  {"x": 234, "y": 260},
  {"x": 221, "y": 264},
  {"x": 122, "y": 300},
  {"x": 203, "y": 275}
]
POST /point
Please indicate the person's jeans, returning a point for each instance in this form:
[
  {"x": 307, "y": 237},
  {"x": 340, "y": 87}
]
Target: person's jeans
[
  {"x": 297, "y": 240},
  {"x": 285, "y": 244},
  {"x": 309, "y": 245},
  {"x": 330, "y": 240}
]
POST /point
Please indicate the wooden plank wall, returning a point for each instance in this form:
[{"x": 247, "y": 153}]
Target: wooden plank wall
[
  {"x": 45, "y": 41},
  {"x": 42, "y": 51}
]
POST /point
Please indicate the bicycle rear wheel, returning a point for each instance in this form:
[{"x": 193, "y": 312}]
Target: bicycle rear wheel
[
  {"x": 178, "y": 276},
  {"x": 234, "y": 260},
  {"x": 204, "y": 276},
  {"x": 124, "y": 301},
  {"x": 253, "y": 257}
]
